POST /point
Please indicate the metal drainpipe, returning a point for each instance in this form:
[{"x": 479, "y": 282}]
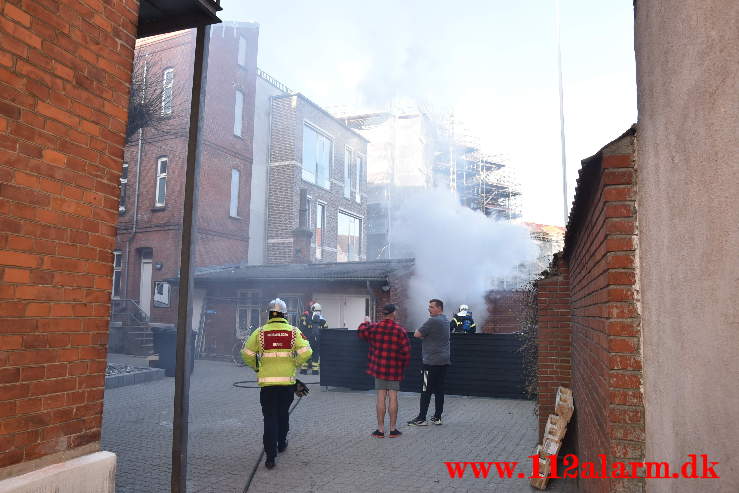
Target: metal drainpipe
[
  {"x": 184, "y": 307},
  {"x": 138, "y": 181},
  {"x": 373, "y": 301}
]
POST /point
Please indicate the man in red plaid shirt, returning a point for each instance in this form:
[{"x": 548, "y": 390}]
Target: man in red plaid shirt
[{"x": 389, "y": 354}]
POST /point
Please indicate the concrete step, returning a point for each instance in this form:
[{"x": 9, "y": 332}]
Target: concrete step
[{"x": 138, "y": 341}]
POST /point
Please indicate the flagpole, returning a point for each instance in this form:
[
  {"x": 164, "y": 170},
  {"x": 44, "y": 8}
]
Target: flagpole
[{"x": 561, "y": 117}]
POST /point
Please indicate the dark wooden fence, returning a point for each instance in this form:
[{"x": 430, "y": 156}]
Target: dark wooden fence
[{"x": 486, "y": 365}]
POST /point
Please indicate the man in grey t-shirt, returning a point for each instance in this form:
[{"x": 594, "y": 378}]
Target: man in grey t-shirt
[{"x": 434, "y": 334}]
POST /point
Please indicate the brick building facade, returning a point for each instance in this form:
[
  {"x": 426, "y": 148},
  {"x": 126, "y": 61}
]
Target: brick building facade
[
  {"x": 150, "y": 224},
  {"x": 312, "y": 150}
]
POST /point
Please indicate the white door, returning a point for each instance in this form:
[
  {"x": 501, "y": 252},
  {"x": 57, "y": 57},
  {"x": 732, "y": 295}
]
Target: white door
[
  {"x": 354, "y": 311},
  {"x": 145, "y": 286},
  {"x": 342, "y": 311},
  {"x": 331, "y": 309}
]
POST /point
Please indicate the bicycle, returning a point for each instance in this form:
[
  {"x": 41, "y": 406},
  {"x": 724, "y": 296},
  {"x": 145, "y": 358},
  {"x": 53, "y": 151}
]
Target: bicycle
[
  {"x": 238, "y": 345},
  {"x": 236, "y": 352}
]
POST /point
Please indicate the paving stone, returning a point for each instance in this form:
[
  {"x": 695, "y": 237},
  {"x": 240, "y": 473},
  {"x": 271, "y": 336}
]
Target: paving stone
[{"x": 330, "y": 448}]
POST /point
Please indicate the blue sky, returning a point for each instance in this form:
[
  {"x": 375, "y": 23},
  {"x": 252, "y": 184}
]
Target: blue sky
[{"x": 492, "y": 62}]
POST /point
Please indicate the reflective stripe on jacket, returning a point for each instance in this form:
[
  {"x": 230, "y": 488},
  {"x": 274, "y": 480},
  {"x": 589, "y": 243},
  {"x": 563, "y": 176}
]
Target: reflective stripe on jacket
[{"x": 275, "y": 351}]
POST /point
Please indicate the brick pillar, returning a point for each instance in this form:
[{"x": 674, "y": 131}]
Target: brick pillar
[
  {"x": 553, "y": 338},
  {"x": 302, "y": 234}
]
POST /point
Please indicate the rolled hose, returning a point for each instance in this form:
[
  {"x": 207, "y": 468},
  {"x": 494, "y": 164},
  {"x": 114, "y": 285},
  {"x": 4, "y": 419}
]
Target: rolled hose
[{"x": 240, "y": 384}]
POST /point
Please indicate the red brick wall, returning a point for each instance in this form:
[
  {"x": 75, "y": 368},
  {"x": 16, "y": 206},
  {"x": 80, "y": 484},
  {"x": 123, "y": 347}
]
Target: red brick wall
[
  {"x": 504, "y": 312},
  {"x": 600, "y": 251},
  {"x": 224, "y": 239},
  {"x": 398, "y": 294},
  {"x": 554, "y": 342},
  {"x": 64, "y": 84},
  {"x": 606, "y": 331}
]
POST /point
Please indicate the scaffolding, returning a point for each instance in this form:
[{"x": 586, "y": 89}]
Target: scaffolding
[{"x": 480, "y": 180}]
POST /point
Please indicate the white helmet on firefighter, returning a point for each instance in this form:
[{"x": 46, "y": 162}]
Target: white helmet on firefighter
[
  {"x": 277, "y": 305},
  {"x": 316, "y": 307},
  {"x": 463, "y": 309}
]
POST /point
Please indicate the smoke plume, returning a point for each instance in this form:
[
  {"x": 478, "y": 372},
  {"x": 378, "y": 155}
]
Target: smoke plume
[{"x": 458, "y": 253}]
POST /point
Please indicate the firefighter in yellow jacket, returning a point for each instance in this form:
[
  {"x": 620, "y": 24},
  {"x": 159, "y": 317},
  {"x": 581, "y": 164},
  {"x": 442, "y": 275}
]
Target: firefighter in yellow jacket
[{"x": 274, "y": 351}]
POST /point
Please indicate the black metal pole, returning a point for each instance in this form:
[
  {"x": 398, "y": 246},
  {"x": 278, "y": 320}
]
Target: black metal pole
[{"x": 184, "y": 308}]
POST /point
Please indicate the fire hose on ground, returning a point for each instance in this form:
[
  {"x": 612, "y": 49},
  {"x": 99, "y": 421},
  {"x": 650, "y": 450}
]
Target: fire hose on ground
[{"x": 301, "y": 390}]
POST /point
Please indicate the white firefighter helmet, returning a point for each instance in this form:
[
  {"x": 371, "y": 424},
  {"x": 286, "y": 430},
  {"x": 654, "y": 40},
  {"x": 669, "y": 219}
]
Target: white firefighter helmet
[
  {"x": 463, "y": 309},
  {"x": 316, "y": 307},
  {"x": 277, "y": 305}
]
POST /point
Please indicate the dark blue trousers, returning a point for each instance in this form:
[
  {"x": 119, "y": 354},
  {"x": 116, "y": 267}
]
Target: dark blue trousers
[{"x": 275, "y": 401}]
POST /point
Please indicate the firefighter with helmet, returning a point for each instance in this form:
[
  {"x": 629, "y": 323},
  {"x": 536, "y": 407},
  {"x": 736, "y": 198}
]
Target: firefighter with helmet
[
  {"x": 314, "y": 324},
  {"x": 462, "y": 322},
  {"x": 274, "y": 351}
]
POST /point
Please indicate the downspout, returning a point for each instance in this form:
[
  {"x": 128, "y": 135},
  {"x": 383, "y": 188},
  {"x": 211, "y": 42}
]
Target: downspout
[
  {"x": 138, "y": 181},
  {"x": 372, "y": 308}
]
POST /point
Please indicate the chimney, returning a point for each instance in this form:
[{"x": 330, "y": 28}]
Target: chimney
[{"x": 302, "y": 235}]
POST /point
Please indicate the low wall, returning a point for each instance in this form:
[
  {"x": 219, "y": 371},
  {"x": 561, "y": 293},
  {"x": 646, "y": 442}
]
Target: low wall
[
  {"x": 485, "y": 365},
  {"x": 91, "y": 473}
]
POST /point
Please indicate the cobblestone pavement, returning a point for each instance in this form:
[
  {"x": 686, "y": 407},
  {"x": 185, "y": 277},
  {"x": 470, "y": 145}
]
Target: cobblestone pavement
[{"x": 330, "y": 449}]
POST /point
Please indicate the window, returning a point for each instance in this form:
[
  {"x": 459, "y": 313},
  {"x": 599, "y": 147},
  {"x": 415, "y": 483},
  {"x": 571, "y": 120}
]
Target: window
[
  {"x": 316, "y": 157},
  {"x": 233, "y": 210},
  {"x": 320, "y": 221},
  {"x": 167, "y": 83},
  {"x": 348, "y": 242},
  {"x": 161, "y": 293},
  {"x": 358, "y": 188},
  {"x": 238, "y": 112},
  {"x": 347, "y": 172},
  {"x": 242, "y": 51},
  {"x": 124, "y": 181},
  {"x": 117, "y": 272},
  {"x": 247, "y": 313},
  {"x": 161, "y": 191}
]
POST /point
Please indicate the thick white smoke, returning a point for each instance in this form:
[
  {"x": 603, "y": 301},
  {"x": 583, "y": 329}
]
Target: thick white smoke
[{"x": 458, "y": 253}]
